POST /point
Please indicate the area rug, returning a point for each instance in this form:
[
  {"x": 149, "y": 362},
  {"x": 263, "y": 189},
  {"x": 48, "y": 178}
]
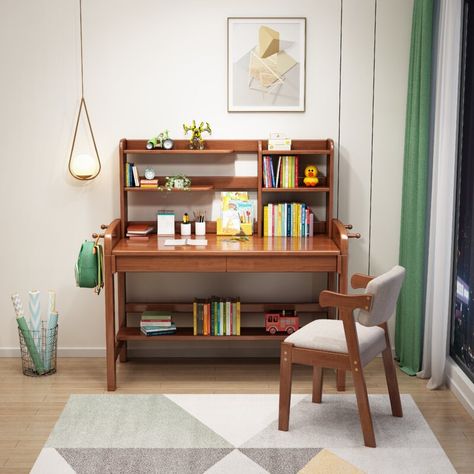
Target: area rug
[{"x": 236, "y": 434}]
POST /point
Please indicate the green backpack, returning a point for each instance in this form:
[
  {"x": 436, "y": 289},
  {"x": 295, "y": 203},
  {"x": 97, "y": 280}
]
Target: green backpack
[{"x": 89, "y": 266}]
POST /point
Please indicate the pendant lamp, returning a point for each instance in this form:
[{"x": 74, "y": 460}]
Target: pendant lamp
[{"x": 83, "y": 166}]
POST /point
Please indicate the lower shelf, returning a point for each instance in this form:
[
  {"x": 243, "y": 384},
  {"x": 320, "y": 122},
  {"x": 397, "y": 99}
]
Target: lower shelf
[{"x": 186, "y": 334}]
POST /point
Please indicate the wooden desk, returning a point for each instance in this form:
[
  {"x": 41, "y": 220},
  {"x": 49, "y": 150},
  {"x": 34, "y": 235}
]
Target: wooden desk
[{"x": 320, "y": 253}]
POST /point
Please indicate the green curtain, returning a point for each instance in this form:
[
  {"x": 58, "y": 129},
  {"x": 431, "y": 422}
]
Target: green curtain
[{"x": 410, "y": 310}]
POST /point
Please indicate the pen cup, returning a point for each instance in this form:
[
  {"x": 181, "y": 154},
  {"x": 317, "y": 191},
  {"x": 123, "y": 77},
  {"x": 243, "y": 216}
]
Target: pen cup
[
  {"x": 200, "y": 228},
  {"x": 186, "y": 228}
]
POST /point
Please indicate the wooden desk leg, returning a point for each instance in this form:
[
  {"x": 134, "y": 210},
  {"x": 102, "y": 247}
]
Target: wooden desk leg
[
  {"x": 122, "y": 316},
  {"x": 110, "y": 324},
  {"x": 342, "y": 283}
]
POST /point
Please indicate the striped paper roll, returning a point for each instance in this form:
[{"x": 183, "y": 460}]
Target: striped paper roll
[
  {"x": 35, "y": 313},
  {"x": 17, "y": 305},
  {"x": 50, "y": 339},
  {"x": 51, "y": 301}
]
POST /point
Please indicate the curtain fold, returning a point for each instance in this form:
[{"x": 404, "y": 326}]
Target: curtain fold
[
  {"x": 438, "y": 288},
  {"x": 410, "y": 309}
]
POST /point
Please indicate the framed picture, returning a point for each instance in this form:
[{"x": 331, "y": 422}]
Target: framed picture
[{"x": 266, "y": 64}]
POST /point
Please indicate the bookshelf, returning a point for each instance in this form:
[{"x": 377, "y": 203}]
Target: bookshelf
[{"x": 325, "y": 251}]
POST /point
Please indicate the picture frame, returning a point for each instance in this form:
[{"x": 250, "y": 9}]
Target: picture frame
[{"x": 266, "y": 64}]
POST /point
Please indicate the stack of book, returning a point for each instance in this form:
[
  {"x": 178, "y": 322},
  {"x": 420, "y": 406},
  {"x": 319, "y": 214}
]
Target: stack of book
[
  {"x": 139, "y": 231},
  {"x": 288, "y": 219},
  {"x": 283, "y": 174},
  {"x": 149, "y": 183},
  {"x": 157, "y": 323},
  {"x": 216, "y": 317},
  {"x": 132, "y": 179}
]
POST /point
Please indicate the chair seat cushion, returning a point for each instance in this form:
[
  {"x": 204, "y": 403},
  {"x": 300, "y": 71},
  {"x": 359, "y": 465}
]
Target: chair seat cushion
[{"x": 328, "y": 335}]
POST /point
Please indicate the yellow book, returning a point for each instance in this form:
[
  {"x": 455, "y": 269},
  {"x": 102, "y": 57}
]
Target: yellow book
[
  {"x": 298, "y": 219},
  {"x": 195, "y": 319},
  {"x": 238, "y": 317},
  {"x": 265, "y": 221},
  {"x": 279, "y": 218}
]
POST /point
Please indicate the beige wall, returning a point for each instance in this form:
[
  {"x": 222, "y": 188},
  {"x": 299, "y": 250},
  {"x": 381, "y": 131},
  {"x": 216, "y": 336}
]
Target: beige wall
[{"x": 151, "y": 65}]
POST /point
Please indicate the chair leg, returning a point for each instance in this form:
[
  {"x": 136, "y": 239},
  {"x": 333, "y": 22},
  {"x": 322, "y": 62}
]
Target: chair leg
[
  {"x": 364, "y": 407},
  {"x": 317, "y": 384},
  {"x": 285, "y": 387},
  {"x": 340, "y": 380},
  {"x": 392, "y": 383}
]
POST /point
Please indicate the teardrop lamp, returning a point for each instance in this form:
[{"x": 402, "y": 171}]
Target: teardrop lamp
[{"x": 83, "y": 166}]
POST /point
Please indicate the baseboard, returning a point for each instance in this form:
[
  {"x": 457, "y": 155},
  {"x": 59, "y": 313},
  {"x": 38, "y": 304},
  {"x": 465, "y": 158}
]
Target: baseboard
[
  {"x": 461, "y": 386},
  {"x": 62, "y": 352}
]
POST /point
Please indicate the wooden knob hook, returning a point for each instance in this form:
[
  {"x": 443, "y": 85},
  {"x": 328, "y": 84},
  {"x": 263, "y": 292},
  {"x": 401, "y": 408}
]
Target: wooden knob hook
[
  {"x": 104, "y": 226},
  {"x": 97, "y": 236},
  {"x": 348, "y": 226},
  {"x": 353, "y": 235}
]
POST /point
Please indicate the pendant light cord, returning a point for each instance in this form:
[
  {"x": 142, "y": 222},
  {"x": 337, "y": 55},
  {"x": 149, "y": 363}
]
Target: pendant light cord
[{"x": 82, "y": 52}]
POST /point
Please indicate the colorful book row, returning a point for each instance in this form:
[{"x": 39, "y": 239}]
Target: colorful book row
[
  {"x": 284, "y": 176},
  {"x": 216, "y": 317},
  {"x": 288, "y": 219}
]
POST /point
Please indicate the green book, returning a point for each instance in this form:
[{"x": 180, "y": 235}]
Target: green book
[{"x": 156, "y": 315}]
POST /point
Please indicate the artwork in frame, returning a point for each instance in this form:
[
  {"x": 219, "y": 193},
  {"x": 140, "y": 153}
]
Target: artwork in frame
[{"x": 266, "y": 64}]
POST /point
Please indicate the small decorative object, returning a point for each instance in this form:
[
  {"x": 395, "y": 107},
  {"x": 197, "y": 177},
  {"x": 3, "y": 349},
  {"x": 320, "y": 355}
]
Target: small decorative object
[
  {"x": 196, "y": 141},
  {"x": 281, "y": 322},
  {"x": 185, "y": 225},
  {"x": 311, "y": 173},
  {"x": 279, "y": 141},
  {"x": 178, "y": 181},
  {"x": 150, "y": 173},
  {"x": 159, "y": 141}
]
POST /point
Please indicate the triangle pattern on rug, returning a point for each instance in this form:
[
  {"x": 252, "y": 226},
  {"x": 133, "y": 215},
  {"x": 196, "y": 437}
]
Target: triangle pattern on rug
[
  {"x": 236, "y": 418},
  {"x": 281, "y": 460},
  {"x": 142, "y": 461},
  {"x": 50, "y": 461},
  {"x": 326, "y": 461},
  {"x": 236, "y": 463}
]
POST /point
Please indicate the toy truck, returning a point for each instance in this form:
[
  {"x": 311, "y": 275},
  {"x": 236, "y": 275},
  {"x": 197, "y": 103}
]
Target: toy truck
[{"x": 281, "y": 322}]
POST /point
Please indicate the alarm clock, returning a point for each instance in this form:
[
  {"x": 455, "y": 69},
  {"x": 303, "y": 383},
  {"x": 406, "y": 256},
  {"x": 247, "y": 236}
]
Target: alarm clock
[
  {"x": 149, "y": 173},
  {"x": 168, "y": 144}
]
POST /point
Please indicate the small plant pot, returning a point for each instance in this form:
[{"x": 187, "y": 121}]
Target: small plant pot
[{"x": 186, "y": 228}]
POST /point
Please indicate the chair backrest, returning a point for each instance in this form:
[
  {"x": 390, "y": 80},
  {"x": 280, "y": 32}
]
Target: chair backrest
[{"x": 385, "y": 290}]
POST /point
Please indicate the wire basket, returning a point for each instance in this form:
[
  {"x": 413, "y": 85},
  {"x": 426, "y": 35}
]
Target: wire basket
[{"x": 38, "y": 350}]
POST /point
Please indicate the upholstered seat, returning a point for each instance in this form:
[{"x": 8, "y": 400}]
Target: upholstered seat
[{"x": 328, "y": 335}]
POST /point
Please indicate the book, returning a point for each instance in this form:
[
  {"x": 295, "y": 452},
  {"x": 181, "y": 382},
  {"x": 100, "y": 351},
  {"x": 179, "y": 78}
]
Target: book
[
  {"x": 155, "y": 323},
  {"x": 139, "y": 229},
  {"x": 172, "y": 326},
  {"x": 160, "y": 315},
  {"x": 138, "y": 237},
  {"x": 216, "y": 317},
  {"x": 136, "y": 178}
]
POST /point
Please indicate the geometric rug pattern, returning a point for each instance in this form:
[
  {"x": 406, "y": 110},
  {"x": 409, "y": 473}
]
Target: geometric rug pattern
[{"x": 236, "y": 434}]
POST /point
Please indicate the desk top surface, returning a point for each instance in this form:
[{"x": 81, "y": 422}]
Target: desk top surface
[{"x": 319, "y": 245}]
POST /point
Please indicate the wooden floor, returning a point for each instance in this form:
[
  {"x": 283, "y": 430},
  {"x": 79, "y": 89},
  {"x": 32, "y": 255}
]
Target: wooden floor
[{"x": 29, "y": 407}]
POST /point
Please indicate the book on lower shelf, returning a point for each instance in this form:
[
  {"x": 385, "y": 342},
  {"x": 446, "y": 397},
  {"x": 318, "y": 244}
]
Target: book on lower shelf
[
  {"x": 288, "y": 219},
  {"x": 139, "y": 231},
  {"x": 216, "y": 317},
  {"x": 157, "y": 323}
]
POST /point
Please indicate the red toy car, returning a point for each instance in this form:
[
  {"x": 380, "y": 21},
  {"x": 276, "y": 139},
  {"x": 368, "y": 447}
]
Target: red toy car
[{"x": 276, "y": 322}]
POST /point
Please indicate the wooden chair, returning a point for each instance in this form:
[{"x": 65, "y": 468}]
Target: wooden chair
[{"x": 347, "y": 344}]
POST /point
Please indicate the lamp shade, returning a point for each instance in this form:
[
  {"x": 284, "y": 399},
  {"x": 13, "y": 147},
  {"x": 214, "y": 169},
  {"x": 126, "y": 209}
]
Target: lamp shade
[{"x": 84, "y": 166}]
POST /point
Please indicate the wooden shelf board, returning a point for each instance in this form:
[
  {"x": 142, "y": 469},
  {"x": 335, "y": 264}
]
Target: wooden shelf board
[
  {"x": 178, "y": 152},
  {"x": 186, "y": 334},
  {"x": 133, "y": 307},
  {"x": 316, "y": 189},
  {"x": 295, "y": 152},
  {"x": 191, "y": 189}
]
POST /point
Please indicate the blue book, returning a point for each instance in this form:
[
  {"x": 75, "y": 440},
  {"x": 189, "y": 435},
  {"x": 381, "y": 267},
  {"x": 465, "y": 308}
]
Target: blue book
[{"x": 289, "y": 220}]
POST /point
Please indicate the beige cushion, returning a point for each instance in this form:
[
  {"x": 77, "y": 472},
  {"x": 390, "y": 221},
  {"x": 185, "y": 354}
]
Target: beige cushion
[
  {"x": 385, "y": 290},
  {"x": 328, "y": 335}
]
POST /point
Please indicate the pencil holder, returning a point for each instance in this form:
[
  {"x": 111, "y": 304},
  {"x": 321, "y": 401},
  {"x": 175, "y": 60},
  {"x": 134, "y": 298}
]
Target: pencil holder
[
  {"x": 186, "y": 228},
  {"x": 200, "y": 228},
  {"x": 43, "y": 344}
]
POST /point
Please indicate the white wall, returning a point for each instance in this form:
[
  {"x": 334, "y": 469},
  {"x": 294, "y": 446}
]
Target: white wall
[{"x": 151, "y": 65}]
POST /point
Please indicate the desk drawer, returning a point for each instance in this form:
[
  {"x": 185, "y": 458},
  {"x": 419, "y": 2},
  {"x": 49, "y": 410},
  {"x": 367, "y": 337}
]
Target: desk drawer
[
  {"x": 282, "y": 264},
  {"x": 170, "y": 264}
]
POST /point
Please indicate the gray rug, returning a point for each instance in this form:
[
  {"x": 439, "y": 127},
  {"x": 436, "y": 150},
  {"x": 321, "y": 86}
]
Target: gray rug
[{"x": 235, "y": 434}]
